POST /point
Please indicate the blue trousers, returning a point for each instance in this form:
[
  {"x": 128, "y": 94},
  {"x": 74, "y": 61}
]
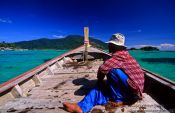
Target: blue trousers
[{"x": 116, "y": 89}]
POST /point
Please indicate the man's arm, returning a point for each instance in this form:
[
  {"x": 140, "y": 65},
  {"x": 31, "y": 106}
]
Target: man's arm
[
  {"x": 100, "y": 75},
  {"x": 105, "y": 68}
]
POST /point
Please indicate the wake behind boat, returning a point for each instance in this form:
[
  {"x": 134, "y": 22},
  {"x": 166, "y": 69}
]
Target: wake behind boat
[{"x": 69, "y": 77}]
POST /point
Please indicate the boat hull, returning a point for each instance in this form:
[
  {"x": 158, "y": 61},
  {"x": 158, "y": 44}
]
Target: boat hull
[{"x": 159, "y": 88}]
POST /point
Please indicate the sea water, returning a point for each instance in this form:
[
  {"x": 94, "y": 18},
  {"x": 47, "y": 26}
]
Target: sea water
[
  {"x": 159, "y": 62},
  {"x": 14, "y": 63}
]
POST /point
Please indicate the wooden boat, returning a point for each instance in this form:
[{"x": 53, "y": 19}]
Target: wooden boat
[{"x": 69, "y": 77}]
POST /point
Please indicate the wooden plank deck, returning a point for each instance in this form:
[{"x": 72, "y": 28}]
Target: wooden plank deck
[{"x": 71, "y": 84}]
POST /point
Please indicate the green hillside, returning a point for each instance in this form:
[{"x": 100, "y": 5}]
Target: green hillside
[{"x": 69, "y": 42}]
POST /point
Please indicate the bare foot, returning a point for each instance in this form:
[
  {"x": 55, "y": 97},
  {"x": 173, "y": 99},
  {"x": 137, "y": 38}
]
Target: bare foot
[{"x": 72, "y": 107}]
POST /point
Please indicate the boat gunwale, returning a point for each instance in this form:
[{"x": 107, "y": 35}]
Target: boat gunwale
[
  {"x": 164, "y": 80},
  {"x": 15, "y": 81}
]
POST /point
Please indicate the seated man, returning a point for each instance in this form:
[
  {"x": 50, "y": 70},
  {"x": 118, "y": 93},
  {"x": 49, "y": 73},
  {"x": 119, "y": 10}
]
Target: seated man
[{"x": 125, "y": 80}]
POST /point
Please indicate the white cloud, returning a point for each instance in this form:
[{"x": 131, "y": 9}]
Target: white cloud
[
  {"x": 142, "y": 45},
  {"x": 166, "y": 45},
  {"x": 2, "y": 20},
  {"x": 137, "y": 31},
  {"x": 60, "y": 31},
  {"x": 58, "y": 36}
]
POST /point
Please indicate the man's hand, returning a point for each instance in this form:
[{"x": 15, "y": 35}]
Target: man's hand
[{"x": 100, "y": 76}]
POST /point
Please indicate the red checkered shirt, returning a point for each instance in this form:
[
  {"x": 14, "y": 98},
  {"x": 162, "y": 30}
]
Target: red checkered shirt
[{"x": 123, "y": 60}]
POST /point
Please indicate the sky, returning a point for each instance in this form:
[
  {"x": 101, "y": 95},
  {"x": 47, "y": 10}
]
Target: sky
[{"x": 143, "y": 22}]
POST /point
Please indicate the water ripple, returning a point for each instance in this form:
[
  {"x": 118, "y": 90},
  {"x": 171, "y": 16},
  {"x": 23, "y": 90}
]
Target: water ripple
[{"x": 159, "y": 60}]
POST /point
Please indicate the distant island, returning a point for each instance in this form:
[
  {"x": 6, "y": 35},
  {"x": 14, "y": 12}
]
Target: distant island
[
  {"x": 146, "y": 48},
  {"x": 69, "y": 42},
  {"x": 149, "y": 48}
]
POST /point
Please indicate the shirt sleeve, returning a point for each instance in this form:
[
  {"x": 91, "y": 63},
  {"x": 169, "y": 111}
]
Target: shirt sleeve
[{"x": 107, "y": 66}]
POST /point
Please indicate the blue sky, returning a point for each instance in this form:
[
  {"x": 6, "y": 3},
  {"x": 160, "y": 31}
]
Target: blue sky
[{"x": 143, "y": 22}]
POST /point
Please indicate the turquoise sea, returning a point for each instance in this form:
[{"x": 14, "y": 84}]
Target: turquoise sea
[
  {"x": 159, "y": 62},
  {"x": 14, "y": 63}
]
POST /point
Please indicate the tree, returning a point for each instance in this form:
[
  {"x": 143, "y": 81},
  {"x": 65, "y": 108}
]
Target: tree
[{"x": 10, "y": 45}]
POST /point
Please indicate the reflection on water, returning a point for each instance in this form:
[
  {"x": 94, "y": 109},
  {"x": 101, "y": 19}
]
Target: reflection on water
[
  {"x": 45, "y": 60},
  {"x": 9, "y": 67},
  {"x": 159, "y": 60}
]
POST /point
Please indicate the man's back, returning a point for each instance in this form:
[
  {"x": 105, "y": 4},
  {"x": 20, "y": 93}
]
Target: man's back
[{"x": 122, "y": 59}]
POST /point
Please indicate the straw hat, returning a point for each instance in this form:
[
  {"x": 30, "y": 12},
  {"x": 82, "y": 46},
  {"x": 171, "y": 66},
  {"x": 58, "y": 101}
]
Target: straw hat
[{"x": 117, "y": 39}]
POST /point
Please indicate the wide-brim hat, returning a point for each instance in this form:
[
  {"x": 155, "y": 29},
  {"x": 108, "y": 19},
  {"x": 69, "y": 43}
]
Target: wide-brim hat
[{"x": 117, "y": 39}]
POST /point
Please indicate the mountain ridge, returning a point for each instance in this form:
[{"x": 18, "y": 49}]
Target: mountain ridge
[{"x": 68, "y": 42}]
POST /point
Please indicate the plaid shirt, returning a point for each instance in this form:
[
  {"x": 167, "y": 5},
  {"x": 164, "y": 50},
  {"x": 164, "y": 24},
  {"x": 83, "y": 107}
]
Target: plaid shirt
[{"x": 122, "y": 60}]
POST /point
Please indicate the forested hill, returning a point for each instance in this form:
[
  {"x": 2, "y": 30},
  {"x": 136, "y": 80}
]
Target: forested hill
[{"x": 69, "y": 42}]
